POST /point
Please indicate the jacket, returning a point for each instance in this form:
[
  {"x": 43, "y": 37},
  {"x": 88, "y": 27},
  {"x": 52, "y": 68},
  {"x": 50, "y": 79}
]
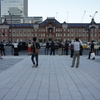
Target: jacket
[{"x": 35, "y": 45}]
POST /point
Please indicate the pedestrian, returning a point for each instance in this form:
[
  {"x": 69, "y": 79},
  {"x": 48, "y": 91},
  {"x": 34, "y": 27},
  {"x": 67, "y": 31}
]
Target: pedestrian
[
  {"x": 52, "y": 45},
  {"x": 47, "y": 48},
  {"x": 91, "y": 50},
  {"x": 29, "y": 48},
  {"x": 15, "y": 46},
  {"x": 2, "y": 48},
  {"x": 71, "y": 47},
  {"x": 76, "y": 45},
  {"x": 66, "y": 47},
  {"x": 0, "y": 53},
  {"x": 35, "y": 46},
  {"x": 60, "y": 48}
]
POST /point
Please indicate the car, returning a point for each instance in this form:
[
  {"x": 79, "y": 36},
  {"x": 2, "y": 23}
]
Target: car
[
  {"x": 22, "y": 46},
  {"x": 84, "y": 45},
  {"x": 43, "y": 44}
]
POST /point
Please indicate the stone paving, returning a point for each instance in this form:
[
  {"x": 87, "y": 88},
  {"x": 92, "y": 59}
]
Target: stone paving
[
  {"x": 8, "y": 62},
  {"x": 54, "y": 79}
]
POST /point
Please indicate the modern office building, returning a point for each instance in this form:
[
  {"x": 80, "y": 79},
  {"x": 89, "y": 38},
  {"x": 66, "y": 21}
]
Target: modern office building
[
  {"x": 0, "y": 8},
  {"x": 16, "y": 11},
  {"x": 16, "y": 7}
]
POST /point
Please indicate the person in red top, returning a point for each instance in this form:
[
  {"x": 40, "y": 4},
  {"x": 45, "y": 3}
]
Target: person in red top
[{"x": 29, "y": 48}]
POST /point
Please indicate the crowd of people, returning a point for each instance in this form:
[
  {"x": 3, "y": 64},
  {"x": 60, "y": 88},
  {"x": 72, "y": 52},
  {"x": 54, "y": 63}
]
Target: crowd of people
[
  {"x": 75, "y": 48},
  {"x": 63, "y": 48}
]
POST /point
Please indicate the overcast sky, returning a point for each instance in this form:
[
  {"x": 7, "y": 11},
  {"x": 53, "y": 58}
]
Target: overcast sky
[{"x": 71, "y": 11}]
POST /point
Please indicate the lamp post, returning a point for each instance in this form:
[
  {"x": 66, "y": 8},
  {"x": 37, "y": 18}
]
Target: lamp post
[{"x": 11, "y": 30}]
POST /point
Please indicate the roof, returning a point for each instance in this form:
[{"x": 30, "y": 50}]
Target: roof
[
  {"x": 78, "y": 24},
  {"x": 22, "y": 25},
  {"x": 50, "y": 20},
  {"x": 5, "y": 22}
]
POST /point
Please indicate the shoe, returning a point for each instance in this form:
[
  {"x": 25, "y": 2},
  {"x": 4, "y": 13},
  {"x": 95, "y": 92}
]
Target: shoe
[
  {"x": 33, "y": 65},
  {"x": 88, "y": 58},
  {"x": 76, "y": 66},
  {"x": 72, "y": 66},
  {"x": 36, "y": 66},
  {"x": 93, "y": 58}
]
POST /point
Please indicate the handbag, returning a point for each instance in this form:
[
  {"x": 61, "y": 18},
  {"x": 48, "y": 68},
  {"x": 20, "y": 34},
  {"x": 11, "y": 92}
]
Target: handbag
[
  {"x": 92, "y": 54},
  {"x": 81, "y": 49},
  {"x": 80, "y": 52},
  {"x": 36, "y": 49}
]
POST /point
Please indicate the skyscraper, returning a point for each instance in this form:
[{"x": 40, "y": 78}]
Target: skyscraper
[
  {"x": 17, "y": 7},
  {"x": 0, "y": 8},
  {"x": 16, "y": 11}
]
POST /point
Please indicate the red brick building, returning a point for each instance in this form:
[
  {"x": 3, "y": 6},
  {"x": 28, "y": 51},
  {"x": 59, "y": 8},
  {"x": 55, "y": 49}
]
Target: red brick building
[{"x": 50, "y": 29}]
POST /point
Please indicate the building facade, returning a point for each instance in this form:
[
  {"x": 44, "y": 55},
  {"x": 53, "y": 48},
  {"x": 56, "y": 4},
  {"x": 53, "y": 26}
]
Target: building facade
[
  {"x": 50, "y": 29},
  {"x": 0, "y": 8},
  {"x": 16, "y": 7},
  {"x": 16, "y": 11}
]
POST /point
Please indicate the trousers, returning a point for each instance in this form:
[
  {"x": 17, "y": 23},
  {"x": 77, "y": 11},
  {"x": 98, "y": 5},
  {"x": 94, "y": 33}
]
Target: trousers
[
  {"x": 76, "y": 55},
  {"x": 34, "y": 58}
]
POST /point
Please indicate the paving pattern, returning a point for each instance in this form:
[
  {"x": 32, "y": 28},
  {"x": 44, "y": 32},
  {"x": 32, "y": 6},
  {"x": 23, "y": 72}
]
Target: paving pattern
[
  {"x": 54, "y": 79},
  {"x": 8, "y": 62}
]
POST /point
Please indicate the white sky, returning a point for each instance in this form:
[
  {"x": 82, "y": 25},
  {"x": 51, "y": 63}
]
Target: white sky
[{"x": 71, "y": 11}]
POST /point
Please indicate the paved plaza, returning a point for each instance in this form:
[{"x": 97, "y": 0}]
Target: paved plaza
[{"x": 54, "y": 79}]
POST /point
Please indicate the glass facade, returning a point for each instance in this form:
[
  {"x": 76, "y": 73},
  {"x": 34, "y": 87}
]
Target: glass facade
[
  {"x": 0, "y": 8},
  {"x": 17, "y": 7}
]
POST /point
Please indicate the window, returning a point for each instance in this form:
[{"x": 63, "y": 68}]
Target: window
[
  {"x": 64, "y": 29},
  {"x": 64, "y": 34}
]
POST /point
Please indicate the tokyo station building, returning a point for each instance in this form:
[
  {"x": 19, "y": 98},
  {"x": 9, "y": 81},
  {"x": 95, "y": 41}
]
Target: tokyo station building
[{"x": 50, "y": 29}]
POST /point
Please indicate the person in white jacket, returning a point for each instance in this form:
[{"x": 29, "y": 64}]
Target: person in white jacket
[
  {"x": 15, "y": 48},
  {"x": 76, "y": 45}
]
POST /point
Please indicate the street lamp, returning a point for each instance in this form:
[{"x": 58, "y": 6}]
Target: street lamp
[{"x": 11, "y": 30}]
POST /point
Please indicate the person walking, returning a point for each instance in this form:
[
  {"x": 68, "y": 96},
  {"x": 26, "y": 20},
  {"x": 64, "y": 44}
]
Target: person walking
[
  {"x": 91, "y": 50},
  {"x": 76, "y": 45},
  {"x": 2, "y": 48},
  {"x": 35, "y": 46},
  {"x": 29, "y": 48},
  {"x": 52, "y": 48}
]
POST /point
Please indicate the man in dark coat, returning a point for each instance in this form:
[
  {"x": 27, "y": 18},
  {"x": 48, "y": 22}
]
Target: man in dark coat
[
  {"x": 66, "y": 47},
  {"x": 52, "y": 48}
]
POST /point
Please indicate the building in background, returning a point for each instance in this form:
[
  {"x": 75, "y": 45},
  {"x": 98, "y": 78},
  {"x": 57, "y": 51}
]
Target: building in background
[
  {"x": 16, "y": 7},
  {"x": 0, "y": 8},
  {"x": 50, "y": 29},
  {"x": 16, "y": 11}
]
